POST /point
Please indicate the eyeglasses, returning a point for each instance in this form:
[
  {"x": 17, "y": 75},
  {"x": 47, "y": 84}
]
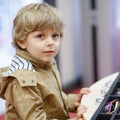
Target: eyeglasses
[
  {"x": 117, "y": 93},
  {"x": 110, "y": 107}
]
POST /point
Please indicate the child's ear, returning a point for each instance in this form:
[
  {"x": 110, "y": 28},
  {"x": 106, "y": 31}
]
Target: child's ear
[{"x": 21, "y": 44}]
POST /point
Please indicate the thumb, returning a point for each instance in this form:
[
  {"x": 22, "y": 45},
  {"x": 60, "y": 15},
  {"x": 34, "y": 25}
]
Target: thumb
[{"x": 77, "y": 104}]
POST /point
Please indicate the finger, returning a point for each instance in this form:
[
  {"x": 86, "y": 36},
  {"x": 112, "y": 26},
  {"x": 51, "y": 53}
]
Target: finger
[
  {"x": 81, "y": 109},
  {"x": 81, "y": 112},
  {"x": 84, "y": 91},
  {"x": 77, "y": 104},
  {"x": 80, "y": 95}
]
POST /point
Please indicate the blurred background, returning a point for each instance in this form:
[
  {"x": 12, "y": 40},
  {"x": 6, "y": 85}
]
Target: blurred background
[{"x": 90, "y": 48}]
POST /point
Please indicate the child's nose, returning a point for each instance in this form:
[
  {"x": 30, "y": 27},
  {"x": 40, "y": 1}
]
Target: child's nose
[{"x": 50, "y": 41}]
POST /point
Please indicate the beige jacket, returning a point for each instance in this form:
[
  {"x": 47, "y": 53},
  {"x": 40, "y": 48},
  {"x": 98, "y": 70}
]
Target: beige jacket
[{"x": 32, "y": 95}]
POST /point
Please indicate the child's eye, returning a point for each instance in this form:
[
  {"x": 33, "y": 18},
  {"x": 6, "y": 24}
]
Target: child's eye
[
  {"x": 56, "y": 36},
  {"x": 41, "y": 36}
]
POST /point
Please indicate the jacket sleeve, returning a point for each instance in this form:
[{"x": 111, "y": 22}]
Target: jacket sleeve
[
  {"x": 70, "y": 101},
  {"x": 28, "y": 102}
]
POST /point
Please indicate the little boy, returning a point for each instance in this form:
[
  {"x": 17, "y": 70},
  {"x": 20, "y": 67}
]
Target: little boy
[{"x": 31, "y": 85}]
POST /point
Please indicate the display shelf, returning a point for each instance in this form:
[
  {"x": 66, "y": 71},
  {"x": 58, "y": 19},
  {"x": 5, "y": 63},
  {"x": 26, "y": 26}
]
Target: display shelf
[{"x": 109, "y": 109}]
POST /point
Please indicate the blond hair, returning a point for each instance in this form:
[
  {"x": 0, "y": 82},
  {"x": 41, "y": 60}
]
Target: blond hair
[{"x": 35, "y": 17}]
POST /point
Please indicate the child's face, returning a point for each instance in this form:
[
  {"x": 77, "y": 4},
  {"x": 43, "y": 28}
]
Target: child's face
[{"x": 43, "y": 45}]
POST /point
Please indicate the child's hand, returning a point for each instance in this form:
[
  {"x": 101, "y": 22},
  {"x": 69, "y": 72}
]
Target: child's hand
[
  {"x": 82, "y": 92},
  {"x": 80, "y": 110}
]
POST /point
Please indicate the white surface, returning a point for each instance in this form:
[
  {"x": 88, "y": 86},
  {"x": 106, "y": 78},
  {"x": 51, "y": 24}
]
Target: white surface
[
  {"x": 2, "y": 106},
  {"x": 98, "y": 90}
]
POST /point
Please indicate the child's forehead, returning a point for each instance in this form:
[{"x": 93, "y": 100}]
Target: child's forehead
[{"x": 48, "y": 30}]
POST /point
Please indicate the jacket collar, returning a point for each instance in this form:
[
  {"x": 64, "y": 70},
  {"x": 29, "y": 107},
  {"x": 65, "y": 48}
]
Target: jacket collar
[
  {"x": 37, "y": 63},
  {"x": 18, "y": 63}
]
